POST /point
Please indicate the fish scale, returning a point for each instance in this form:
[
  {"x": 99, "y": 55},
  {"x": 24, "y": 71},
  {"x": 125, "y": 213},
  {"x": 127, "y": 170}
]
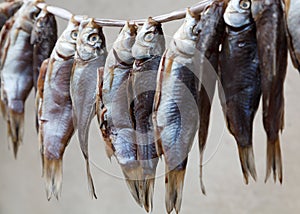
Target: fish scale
[
  {"x": 55, "y": 111},
  {"x": 16, "y": 71},
  {"x": 175, "y": 115},
  {"x": 240, "y": 78},
  {"x": 147, "y": 51},
  {"x": 270, "y": 24}
]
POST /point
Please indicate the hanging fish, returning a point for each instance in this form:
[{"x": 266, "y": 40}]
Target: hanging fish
[
  {"x": 16, "y": 71},
  {"x": 272, "y": 53},
  {"x": 147, "y": 51},
  {"x": 7, "y": 10},
  {"x": 210, "y": 37},
  {"x": 43, "y": 39},
  {"x": 56, "y": 123},
  {"x": 240, "y": 79},
  {"x": 292, "y": 8},
  {"x": 90, "y": 55},
  {"x": 175, "y": 115},
  {"x": 114, "y": 115}
]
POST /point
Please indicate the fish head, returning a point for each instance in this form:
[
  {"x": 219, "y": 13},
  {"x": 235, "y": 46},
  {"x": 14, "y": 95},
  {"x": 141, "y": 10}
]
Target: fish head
[
  {"x": 66, "y": 44},
  {"x": 26, "y": 15},
  {"x": 238, "y": 13},
  {"x": 188, "y": 30},
  {"x": 45, "y": 24},
  {"x": 90, "y": 41},
  {"x": 150, "y": 40},
  {"x": 124, "y": 42},
  {"x": 184, "y": 40}
]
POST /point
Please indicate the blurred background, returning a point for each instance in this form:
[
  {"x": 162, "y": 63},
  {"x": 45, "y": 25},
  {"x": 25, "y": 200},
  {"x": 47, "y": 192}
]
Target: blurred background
[{"x": 22, "y": 187}]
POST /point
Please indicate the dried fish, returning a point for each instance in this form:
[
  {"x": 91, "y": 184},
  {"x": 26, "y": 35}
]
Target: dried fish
[
  {"x": 147, "y": 51},
  {"x": 272, "y": 52},
  {"x": 292, "y": 14},
  {"x": 90, "y": 55},
  {"x": 43, "y": 39},
  {"x": 16, "y": 71},
  {"x": 175, "y": 116},
  {"x": 7, "y": 10},
  {"x": 240, "y": 79},
  {"x": 113, "y": 107},
  {"x": 56, "y": 123},
  {"x": 210, "y": 37}
]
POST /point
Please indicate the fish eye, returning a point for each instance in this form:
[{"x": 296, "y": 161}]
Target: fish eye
[
  {"x": 149, "y": 36},
  {"x": 94, "y": 38},
  {"x": 34, "y": 15},
  {"x": 245, "y": 4},
  {"x": 74, "y": 34}
]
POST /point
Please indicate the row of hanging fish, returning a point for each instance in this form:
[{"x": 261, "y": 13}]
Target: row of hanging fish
[{"x": 149, "y": 100}]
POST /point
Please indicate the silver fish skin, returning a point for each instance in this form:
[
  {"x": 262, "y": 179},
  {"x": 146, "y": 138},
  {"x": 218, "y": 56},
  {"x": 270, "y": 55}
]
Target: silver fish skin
[
  {"x": 114, "y": 115},
  {"x": 90, "y": 55},
  {"x": 175, "y": 115},
  {"x": 211, "y": 30},
  {"x": 240, "y": 79},
  {"x": 56, "y": 123},
  {"x": 272, "y": 51},
  {"x": 7, "y": 10},
  {"x": 292, "y": 8},
  {"x": 147, "y": 51},
  {"x": 43, "y": 39},
  {"x": 16, "y": 71}
]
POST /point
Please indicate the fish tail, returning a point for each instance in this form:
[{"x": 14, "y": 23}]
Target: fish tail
[
  {"x": 52, "y": 172},
  {"x": 15, "y": 129},
  {"x": 247, "y": 162},
  {"x": 90, "y": 180},
  {"x": 174, "y": 185},
  {"x": 132, "y": 177},
  {"x": 148, "y": 191},
  {"x": 274, "y": 160}
]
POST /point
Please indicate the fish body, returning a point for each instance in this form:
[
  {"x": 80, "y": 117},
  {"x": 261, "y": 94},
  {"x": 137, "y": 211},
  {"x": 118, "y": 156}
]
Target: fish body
[
  {"x": 292, "y": 8},
  {"x": 7, "y": 10},
  {"x": 56, "y": 123},
  {"x": 210, "y": 37},
  {"x": 175, "y": 116},
  {"x": 16, "y": 71},
  {"x": 90, "y": 55},
  {"x": 147, "y": 51},
  {"x": 114, "y": 112},
  {"x": 240, "y": 79},
  {"x": 272, "y": 53},
  {"x": 43, "y": 39}
]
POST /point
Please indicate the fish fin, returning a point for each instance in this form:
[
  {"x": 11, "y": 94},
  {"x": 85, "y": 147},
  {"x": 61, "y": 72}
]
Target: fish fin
[
  {"x": 15, "y": 122},
  {"x": 174, "y": 181},
  {"x": 247, "y": 162},
  {"x": 52, "y": 172},
  {"x": 203, "y": 190},
  {"x": 156, "y": 102},
  {"x": 5, "y": 51},
  {"x": 204, "y": 107},
  {"x": 90, "y": 181},
  {"x": 274, "y": 160},
  {"x": 3, "y": 109},
  {"x": 83, "y": 139},
  {"x": 40, "y": 90},
  {"x": 99, "y": 92}
]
